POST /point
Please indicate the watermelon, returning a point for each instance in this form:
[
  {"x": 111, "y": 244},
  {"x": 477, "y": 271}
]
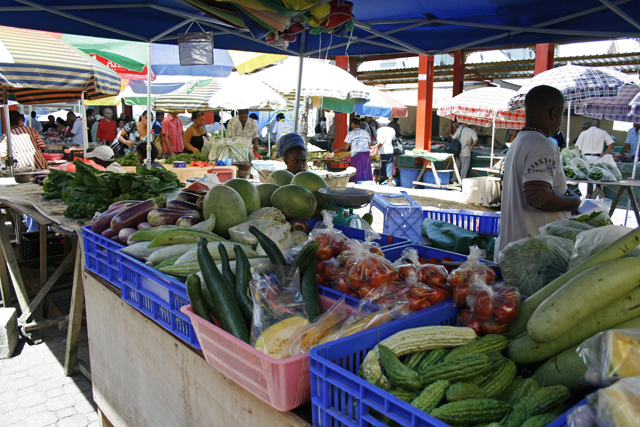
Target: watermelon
[
  {"x": 280, "y": 177},
  {"x": 247, "y": 191},
  {"x": 294, "y": 201},
  {"x": 266, "y": 190},
  {"x": 228, "y": 207},
  {"x": 313, "y": 182}
]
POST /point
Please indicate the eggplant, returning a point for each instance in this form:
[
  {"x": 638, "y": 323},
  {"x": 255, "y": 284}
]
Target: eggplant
[
  {"x": 104, "y": 220},
  {"x": 187, "y": 196},
  {"x": 144, "y": 225},
  {"x": 199, "y": 203},
  {"x": 163, "y": 216},
  {"x": 124, "y": 202},
  {"x": 187, "y": 221},
  {"x": 134, "y": 215},
  {"x": 108, "y": 233},
  {"x": 116, "y": 239},
  {"x": 124, "y": 234},
  {"x": 182, "y": 205}
]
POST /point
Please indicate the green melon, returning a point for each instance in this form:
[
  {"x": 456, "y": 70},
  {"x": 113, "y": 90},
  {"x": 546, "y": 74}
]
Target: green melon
[
  {"x": 247, "y": 191},
  {"x": 294, "y": 201},
  {"x": 266, "y": 190},
  {"x": 228, "y": 207},
  {"x": 313, "y": 182},
  {"x": 280, "y": 177}
]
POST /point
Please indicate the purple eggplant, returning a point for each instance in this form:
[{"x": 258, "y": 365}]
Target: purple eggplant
[
  {"x": 188, "y": 196},
  {"x": 108, "y": 233},
  {"x": 165, "y": 216},
  {"x": 143, "y": 225},
  {"x": 124, "y": 202},
  {"x": 134, "y": 215},
  {"x": 116, "y": 239},
  {"x": 182, "y": 205},
  {"x": 104, "y": 220},
  {"x": 199, "y": 203},
  {"x": 124, "y": 234},
  {"x": 187, "y": 221}
]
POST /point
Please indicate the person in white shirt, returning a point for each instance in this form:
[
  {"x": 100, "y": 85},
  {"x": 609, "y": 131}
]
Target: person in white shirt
[
  {"x": 591, "y": 142},
  {"x": 277, "y": 128},
  {"x": 75, "y": 131},
  {"x": 94, "y": 128},
  {"x": 33, "y": 123},
  {"x": 468, "y": 139},
  {"x": 104, "y": 156},
  {"x": 631, "y": 143},
  {"x": 240, "y": 125},
  {"x": 535, "y": 187},
  {"x": 386, "y": 134}
]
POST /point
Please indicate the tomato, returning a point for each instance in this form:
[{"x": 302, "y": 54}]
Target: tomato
[
  {"x": 476, "y": 325},
  {"x": 353, "y": 294},
  {"x": 319, "y": 266},
  {"x": 417, "y": 304},
  {"x": 420, "y": 292},
  {"x": 321, "y": 279},
  {"x": 460, "y": 294},
  {"x": 343, "y": 286},
  {"x": 508, "y": 294},
  {"x": 331, "y": 270},
  {"x": 483, "y": 307},
  {"x": 407, "y": 271},
  {"x": 437, "y": 280},
  {"x": 505, "y": 313},
  {"x": 324, "y": 252},
  {"x": 386, "y": 302},
  {"x": 465, "y": 315},
  {"x": 457, "y": 278},
  {"x": 422, "y": 260},
  {"x": 489, "y": 276},
  {"x": 447, "y": 259},
  {"x": 379, "y": 279},
  {"x": 364, "y": 291},
  {"x": 376, "y": 250},
  {"x": 437, "y": 297},
  {"x": 433, "y": 261},
  {"x": 354, "y": 279},
  {"x": 493, "y": 327}
]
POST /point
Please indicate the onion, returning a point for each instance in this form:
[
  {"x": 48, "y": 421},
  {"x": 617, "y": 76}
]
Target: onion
[{"x": 300, "y": 225}]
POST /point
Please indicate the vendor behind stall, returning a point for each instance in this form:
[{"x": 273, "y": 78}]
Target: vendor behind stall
[
  {"x": 141, "y": 152},
  {"x": 358, "y": 142},
  {"x": 25, "y": 141},
  {"x": 241, "y": 126},
  {"x": 291, "y": 149},
  {"x": 103, "y": 155}
]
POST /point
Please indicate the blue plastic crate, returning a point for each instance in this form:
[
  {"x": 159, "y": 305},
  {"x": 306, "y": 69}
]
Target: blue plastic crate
[
  {"x": 561, "y": 421},
  {"x": 100, "y": 255},
  {"x": 385, "y": 240},
  {"x": 407, "y": 176},
  {"x": 400, "y": 219},
  {"x": 476, "y": 221},
  {"x": 157, "y": 295}
]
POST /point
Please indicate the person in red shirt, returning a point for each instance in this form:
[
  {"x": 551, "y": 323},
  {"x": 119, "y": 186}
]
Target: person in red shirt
[{"x": 107, "y": 128}]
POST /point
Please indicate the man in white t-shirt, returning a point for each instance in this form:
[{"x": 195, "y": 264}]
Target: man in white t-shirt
[
  {"x": 384, "y": 142},
  {"x": 75, "y": 123},
  {"x": 591, "y": 142},
  {"x": 535, "y": 188},
  {"x": 468, "y": 139},
  {"x": 33, "y": 123}
]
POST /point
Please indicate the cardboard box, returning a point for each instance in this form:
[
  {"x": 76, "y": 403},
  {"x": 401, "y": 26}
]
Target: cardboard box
[{"x": 483, "y": 190}]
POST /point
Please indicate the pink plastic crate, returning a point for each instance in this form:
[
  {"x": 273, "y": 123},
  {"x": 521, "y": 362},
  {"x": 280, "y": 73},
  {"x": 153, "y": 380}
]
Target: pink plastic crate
[{"x": 281, "y": 383}]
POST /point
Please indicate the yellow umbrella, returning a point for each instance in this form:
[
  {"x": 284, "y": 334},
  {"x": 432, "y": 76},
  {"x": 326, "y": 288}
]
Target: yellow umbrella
[{"x": 245, "y": 62}]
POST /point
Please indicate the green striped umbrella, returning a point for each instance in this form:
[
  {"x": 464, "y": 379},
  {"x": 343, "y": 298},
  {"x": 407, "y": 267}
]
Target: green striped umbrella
[
  {"x": 38, "y": 69},
  {"x": 193, "y": 97}
]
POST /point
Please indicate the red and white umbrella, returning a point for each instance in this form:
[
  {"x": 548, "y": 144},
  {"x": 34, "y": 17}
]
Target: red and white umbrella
[{"x": 487, "y": 106}]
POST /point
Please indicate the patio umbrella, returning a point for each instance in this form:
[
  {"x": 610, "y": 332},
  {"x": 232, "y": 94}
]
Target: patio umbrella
[
  {"x": 487, "y": 106},
  {"x": 380, "y": 104},
  {"x": 245, "y": 92},
  {"x": 576, "y": 83},
  {"x": 194, "y": 96},
  {"x": 38, "y": 69}
]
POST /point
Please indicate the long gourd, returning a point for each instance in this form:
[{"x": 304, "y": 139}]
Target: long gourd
[
  {"x": 526, "y": 350},
  {"x": 564, "y": 369},
  {"x": 615, "y": 250},
  {"x": 581, "y": 296}
]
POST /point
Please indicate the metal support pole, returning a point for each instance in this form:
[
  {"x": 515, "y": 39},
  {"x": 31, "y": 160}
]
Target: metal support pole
[
  {"x": 149, "y": 122},
  {"x": 7, "y": 126},
  {"x": 633, "y": 176},
  {"x": 568, "y": 124},
  {"x": 303, "y": 39},
  {"x": 85, "y": 137},
  {"x": 493, "y": 138}
]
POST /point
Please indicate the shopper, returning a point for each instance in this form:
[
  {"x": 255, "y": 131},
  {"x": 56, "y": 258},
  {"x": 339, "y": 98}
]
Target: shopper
[
  {"x": 107, "y": 127},
  {"x": 193, "y": 137},
  {"x": 277, "y": 128},
  {"x": 172, "y": 143},
  {"x": 131, "y": 134},
  {"x": 386, "y": 135},
  {"x": 591, "y": 142},
  {"x": 468, "y": 139},
  {"x": 359, "y": 143},
  {"x": 141, "y": 151},
  {"x": 74, "y": 129}
]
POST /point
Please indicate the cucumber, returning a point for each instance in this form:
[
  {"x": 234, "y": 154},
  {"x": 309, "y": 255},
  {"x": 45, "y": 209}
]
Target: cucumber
[
  {"x": 526, "y": 350},
  {"x": 269, "y": 247},
  {"x": 615, "y": 250},
  {"x": 309, "y": 290},
  {"x": 225, "y": 269},
  {"x": 167, "y": 262},
  {"x": 581, "y": 296},
  {"x": 229, "y": 313},
  {"x": 243, "y": 276},
  {"x": 564, "y": 369},
  {"x": 198, "y": 303},
  {"x": 306, "y": 254},
  {"x": 208, "y": 296},
  {"x": 183, "y": 236},
  {"x": 148, "y": 234}
]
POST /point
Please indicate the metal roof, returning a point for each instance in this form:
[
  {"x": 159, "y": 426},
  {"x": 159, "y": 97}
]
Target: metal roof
[{"x": 627, "y": 62}]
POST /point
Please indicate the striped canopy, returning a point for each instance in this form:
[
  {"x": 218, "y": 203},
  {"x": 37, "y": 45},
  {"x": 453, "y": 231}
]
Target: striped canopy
[
  {"x": 481, "y": 106},
  {"x": 635, "y": 105},
  {"x": 194, "y": 96},
  {"x": 380, "y": 104},
  {"x": 576, "y": 83},
  {"x": 38, "y": 69},
  {"x": 612, "y": 108}
]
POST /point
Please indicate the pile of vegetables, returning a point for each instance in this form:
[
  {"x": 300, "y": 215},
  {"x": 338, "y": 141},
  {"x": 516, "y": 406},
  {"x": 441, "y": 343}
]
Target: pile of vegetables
[
  {"x": 237, "y": 148},
  {"x": 130, "y": 159},
  {"x": 449, "y": 374},
  {"x": 186, "y": 157},
  {"x": 577, "y": 166}
]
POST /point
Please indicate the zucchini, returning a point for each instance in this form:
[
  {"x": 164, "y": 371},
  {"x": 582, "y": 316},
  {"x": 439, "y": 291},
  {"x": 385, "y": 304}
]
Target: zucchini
[
  {"x": 243, "y": 276},
  {"x": 167, "y": 262},
  {"x": 194, "y": 292},
  {"x": 306, "y": 255},
  {"x": 269, "y": 247},
  {"x": 309, "y": 291},
  {"x": 183, "y": 236},
  {"x": 582, "y": 296},
  {"x": 208, "y": 297},
  {"x": 627, "y": 308},
  {"x": 225, "y": 268},
  {"x": 564, "y": 369},
  {"x": 615, "y": 250},
  {"x": 229, "y": 313}
]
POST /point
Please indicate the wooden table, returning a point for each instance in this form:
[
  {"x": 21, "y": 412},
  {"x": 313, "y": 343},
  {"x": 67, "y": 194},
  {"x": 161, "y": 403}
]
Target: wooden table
[
  {"x": 187, "y": 172},
  {"x": 143, "y": 376},
  {"x": 626, "y": 185}
]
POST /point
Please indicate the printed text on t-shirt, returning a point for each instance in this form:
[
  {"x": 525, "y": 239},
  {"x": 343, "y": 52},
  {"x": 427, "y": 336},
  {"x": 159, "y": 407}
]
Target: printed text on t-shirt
[{"x": 543, "y": 165}]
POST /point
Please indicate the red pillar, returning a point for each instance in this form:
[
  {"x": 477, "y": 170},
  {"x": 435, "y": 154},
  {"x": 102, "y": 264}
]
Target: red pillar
[
  {"x": 342, "y": 125},
  {"x": 544, "y": 57},
  {"x": 128, "y": 110},
  {"x": 458, "y": 72},
  {"x": 425, "y": 102}
]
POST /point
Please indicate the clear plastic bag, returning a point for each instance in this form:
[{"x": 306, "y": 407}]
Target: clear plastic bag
[
  {"x": 278, "y": 308},
  {"x": 582, "y": 166},
  {"x": 331, "y": 240},
  {"x": 565, "y": 229},
  {"x": 619, "y": 404},
  {"x": 611, "y": 355},
  {"x": 569, "y": 154},
  {"x": 352, "y": 246},
  {"x": 531, "y": 263},
  {"x": 491, "y": 309},
  {"x": 591, "y": 241},
  {"x": 597, "y": 217},
  {"x": 366, "y": 271},
  {"x": 572, "y": 172},
  {"x": 582, "y": 416},
  {"x": 601, "y": 174},
  {"x": 460, "y": 278},
  {"x": 427, "y": 282}
]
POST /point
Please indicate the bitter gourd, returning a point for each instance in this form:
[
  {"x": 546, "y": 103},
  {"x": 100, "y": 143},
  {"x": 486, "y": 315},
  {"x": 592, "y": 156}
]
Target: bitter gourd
[
  {"x": 486, "y": 344},
  {"x": 461, "y": 369},
  {"x": 500, "y": 379},
  {"x": 397, "y": 373},
  {"x": 464, "y": 391},
  {"x": 431, "y": 396},
  {"x": 471, "y": 411}
]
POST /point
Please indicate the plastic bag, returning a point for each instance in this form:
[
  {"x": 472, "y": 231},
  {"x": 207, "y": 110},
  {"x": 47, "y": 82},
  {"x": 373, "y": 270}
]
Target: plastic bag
[
  {"x": 460, "y": 278},
  {"x": 569, "y": 154},
  {"x": 601, "y": 174},
  {"x": 413, "y": 272},
  {"x": 351, "y": 246},
  {"x": 533, "y": 262},
  {"x": 491, "y": 309},
  {"x": 619, "y": 404},
  {"x": 278, "y": 308},
  {"x": 571, "y": 172},
  {"x": 565, "y": 229},
  {"x": 366, "y": 271},
  {"x": 331, "y": 240},
  {"x": 611, "y": 355},
  {"x": 580, "y": 164},
  {"x": 598, "y": 217},
  {"x": 591, "y": 241},
  {"x": 582, "y": 416}
]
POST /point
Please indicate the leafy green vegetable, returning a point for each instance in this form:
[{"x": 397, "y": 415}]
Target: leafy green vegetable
[
  {"x": 187, "y": 157},
  {"x": 85, "y": 210},
  {"x": 130, "y": 159},
  {"x": 595, "y": 219},
  {"x": 570, "y": 172}
]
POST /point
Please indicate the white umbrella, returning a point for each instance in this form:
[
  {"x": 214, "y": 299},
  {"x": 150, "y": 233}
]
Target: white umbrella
[{"x": 245, "y": 92}]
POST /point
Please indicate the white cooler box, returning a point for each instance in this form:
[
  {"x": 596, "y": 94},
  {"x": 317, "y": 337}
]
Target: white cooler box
[{"x": 483, "y": 190}]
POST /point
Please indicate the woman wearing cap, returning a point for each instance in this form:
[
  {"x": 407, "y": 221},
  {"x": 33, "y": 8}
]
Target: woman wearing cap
[
  {"x": 193, "y": 137},
  {"x": 132, "y": 133},
  {"x": 104, "y": 156},
  {"x": 292, "y": 150},
  {"x": 358, "y": 142}
]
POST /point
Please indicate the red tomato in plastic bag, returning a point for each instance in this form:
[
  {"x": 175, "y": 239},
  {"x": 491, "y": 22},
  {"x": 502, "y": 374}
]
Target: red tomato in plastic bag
[
  {"x": 433, "y": 261},
  {"x": 436, "y": 280},
  {"x": 483, "y": 307},
  {"x": 508, "y": 294},
  {"x": 493, "y": 327},
  {"x": 378, "y": 279},
  {"x": 422, "y": 260},
  {"x": 331, "y": 270},
  {"x": 437, "y": 297},
  {"x": 354, "y": 279},
  {"x": 457, "y": 278},
  {"x": 353, "y": 294},
  {"x": 364, "y": 291},
  {"x": 420, "y": 292},
  {"x": 319, "y": 266},
  {"x": 448, "y": 267},
  {"x": 325, "y": 252},
  {"x": 320, "y": 279},
  {"x": 505, "y": 312},
  {"x": 465, "y": 315},
  {"x": 460, "y": 294},
  {"x": 417, "y": 304},
  {"x": 476, "y": 325}
]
